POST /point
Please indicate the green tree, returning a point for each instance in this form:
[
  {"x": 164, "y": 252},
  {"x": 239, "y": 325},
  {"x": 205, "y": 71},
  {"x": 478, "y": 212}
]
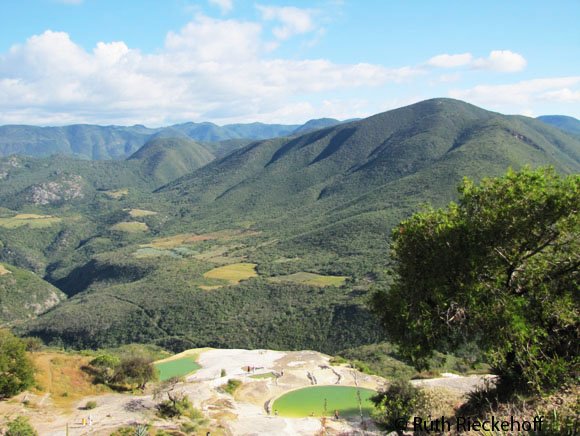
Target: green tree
[
  {"x": 16, "y": 370},
  {"x": 500, "y": 268},
  {"x": 135, "y": 370}
]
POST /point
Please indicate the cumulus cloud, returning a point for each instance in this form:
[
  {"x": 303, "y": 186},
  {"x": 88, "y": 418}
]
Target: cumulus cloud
[
  {"x": 450, "y": 61},
  {"x": 293, "y": 21},
  {"x": 224, "y": 5},
  {"x": 504, "y": 61},
  {"x": 524, "y": 94},
  {"x": 210, "y": 69}
]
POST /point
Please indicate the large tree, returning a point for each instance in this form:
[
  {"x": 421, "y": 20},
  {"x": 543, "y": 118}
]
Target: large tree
[
  {"x": 16, "y": 370},
  {"x": 501, "y": 268}
]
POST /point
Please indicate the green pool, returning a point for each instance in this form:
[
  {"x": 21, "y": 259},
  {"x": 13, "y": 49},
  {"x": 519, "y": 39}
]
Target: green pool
[
  {"x": 177, "y": 367},
  {"x": 307, "y": 401}
]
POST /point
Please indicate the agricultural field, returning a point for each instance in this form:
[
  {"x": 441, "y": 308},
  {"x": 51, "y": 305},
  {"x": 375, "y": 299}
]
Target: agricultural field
[
  {"x": 177, "y": 240},
  {"x": 130, "y": 227},
  {"x": 323, "y": 401},
  {"x": 35, "y": 221},
  {"x": 311, "y": 279},
  {"x": 117, "y": 194},
  {"x": 139, "y": 213},
  {"x": 234, "y": 273}
]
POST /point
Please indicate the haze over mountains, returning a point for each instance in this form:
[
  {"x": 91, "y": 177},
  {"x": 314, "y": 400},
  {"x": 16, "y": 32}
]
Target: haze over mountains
[
  {"x": 130, "y": 241},
  {"x": 118, "y": 142}
]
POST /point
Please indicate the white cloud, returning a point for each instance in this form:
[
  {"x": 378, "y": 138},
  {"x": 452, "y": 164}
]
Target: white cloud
[
  {"x": 564, "y": 95},
  {"x": 293, "y": 21},
  {"x": 210, "y": 69},
  {"x": 225, "y": 5},
  {"x": 504, "y": 61},
  {"x": 450, "y": 61},
  {"x": 522, "y": 96}
]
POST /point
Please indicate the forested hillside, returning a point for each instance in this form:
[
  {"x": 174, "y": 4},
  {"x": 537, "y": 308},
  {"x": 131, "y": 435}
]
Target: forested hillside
[{"x": 276, "y": 244}]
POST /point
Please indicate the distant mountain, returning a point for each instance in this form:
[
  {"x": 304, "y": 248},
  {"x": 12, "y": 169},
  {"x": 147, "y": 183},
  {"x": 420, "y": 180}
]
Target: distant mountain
[
  {"x": 317, "y": 124},
  {"x": 165, "y": 159},
  {"x": 82, "y": 141},
  {"x": 117, "y": 142},
  {"x": 338, "y": 186},
  {"x": 568, "y": 124}
]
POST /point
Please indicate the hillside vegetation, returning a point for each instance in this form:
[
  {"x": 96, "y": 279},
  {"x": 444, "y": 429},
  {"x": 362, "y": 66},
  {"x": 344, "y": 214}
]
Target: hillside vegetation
[
  {"x": 24, "y": 295},
  {"x": 165, "y": 159},
  {"x": 312, "y": 212}
]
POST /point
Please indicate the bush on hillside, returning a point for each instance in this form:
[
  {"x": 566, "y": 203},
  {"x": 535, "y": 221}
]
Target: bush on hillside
[
  {"x": 20, "y": 427},
  {"x": 16, "y": 369}
]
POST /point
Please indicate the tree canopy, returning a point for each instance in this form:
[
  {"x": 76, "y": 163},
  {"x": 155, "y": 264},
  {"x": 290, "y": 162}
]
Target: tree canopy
[
  {"x": 16, "y": 370},
  {"x": 500, "y": 268}
]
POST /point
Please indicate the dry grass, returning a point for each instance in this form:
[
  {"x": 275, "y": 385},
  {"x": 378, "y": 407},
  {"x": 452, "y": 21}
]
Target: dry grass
[
  {"x": 178, "y": 240},
  {"x": 29, "y": 219},
  {"x": 311, "y": 279},
  {"x": 209, "y": 288},
  {"x": 138, "y": 213},
  {"x": 130, "y": 227},
  {"x": 234, "y": 273},
  {"x": 4, "y": 271},
  {"x": 117, "y": 193},
  {"x": 61, "y": 376}
]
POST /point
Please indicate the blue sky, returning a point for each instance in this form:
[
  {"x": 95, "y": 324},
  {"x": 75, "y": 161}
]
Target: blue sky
[{"x": 158, "y": 62}]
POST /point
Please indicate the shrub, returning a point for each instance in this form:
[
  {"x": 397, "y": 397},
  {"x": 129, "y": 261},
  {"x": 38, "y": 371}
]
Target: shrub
[
  {"x": 33, "y": 344},
  {"x": 20, "y": 427},
  {"x": 396, "y": 405},
  {"x": 176, "y": 405},
  {"x": 231, "y": 386},
  {"x": 90, "y": 405}
]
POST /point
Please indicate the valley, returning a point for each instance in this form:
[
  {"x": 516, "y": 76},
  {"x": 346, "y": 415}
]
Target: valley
[{"x": 231, "y": 255}]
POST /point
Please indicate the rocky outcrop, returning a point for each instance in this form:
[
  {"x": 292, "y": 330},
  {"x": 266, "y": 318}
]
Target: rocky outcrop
[{"x": 67, "y": 188}]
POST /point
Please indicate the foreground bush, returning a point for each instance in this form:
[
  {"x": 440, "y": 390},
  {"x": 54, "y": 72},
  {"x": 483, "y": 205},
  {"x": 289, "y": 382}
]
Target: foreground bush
[
  {"x": 396, "y": 405},
  {"x": 16, "y": 369},
  {"x": 20, "y": 427},
  {"x": 499, "y": 268}
]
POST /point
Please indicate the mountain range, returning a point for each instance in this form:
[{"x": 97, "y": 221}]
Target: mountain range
[
  {"x": 119, "y": 142},
  {"x": 143, "y": 247}
]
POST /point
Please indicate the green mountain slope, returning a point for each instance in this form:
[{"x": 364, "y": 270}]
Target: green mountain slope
[
  {"x": 316, "y": 124},
  {"x": 165, "y": 159},
  {"x": 332, "y": 166},
  {"x": 24, "y": 295},
  {"x": 323, "y": 202},
  {"x": 565, "y": 123}
]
